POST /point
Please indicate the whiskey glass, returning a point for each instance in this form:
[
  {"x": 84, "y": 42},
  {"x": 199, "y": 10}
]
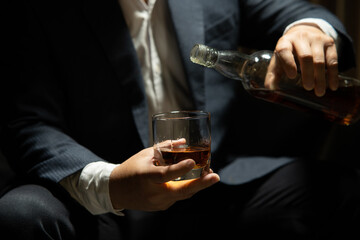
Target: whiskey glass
[{"x": 180, "y": 135}]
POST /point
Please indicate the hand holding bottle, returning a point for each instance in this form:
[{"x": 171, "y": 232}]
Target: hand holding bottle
[
  {"x": 269, "y": 78},
  {"x": 314, "y": 51}
]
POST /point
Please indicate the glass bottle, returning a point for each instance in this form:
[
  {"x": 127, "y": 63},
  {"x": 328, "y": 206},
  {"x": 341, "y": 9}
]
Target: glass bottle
[{"x": 341, "y": 106}]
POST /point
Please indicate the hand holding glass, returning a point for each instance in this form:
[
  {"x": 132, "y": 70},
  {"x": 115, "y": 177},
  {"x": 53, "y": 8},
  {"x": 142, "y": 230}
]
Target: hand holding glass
[{"x": 181, "y": 135}]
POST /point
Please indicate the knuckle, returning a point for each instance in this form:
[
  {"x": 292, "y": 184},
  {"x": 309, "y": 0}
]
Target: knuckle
[
  {"x": 283, "y": 44},
  {"x": 329, "y": 41},
  {"x": 332, "y": 64},
  {"x": 318, "y": 62},
  {"x": 304, "y": 34},
  {"x": 318, "y": 38},
  {"x": 305, "y": 56},
  {"x": 281, "y": 48}
]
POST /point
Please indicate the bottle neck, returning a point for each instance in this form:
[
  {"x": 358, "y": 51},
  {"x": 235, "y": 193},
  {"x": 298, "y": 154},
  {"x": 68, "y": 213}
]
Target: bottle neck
[
  {"x": 228, "y": 63},
  {"x": 203, "y": 55}
]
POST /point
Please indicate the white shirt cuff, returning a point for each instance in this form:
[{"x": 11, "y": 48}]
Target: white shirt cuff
[
  {"x": 322, "y": 24},
  {"x": 90, "y": 187}
]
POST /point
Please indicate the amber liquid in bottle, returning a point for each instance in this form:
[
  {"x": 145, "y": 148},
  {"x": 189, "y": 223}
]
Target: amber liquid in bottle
[
  {"x": 333, "y": 110},
  {"x": 200, "y": 155}
]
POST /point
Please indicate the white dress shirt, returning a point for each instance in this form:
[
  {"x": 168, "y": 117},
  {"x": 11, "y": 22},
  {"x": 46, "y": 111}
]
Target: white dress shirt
[
  {"x": 165, "y": 86},
  {"x": 154, "y": 40}
]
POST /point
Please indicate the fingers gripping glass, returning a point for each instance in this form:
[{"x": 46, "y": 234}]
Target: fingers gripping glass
[{"x": 181, "y": 135}]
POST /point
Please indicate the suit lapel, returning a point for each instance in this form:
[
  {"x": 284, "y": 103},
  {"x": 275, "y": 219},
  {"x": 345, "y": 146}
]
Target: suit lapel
[
  {"x": 110, "y": 27},
  {"x": 188, "y": 22}
]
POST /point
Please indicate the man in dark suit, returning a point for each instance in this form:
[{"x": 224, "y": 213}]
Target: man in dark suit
[{"x": 83, "y": 99}]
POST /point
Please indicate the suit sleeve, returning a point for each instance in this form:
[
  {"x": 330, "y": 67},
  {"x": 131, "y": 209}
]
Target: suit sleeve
[
  {"x": 269, "y": 18},
  {"x": 35, "y": 139}
]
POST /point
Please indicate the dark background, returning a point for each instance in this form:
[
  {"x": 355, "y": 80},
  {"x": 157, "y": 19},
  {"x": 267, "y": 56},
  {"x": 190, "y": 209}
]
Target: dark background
[{"x": 343, "y": 143}]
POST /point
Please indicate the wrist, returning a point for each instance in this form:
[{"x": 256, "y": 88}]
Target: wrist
[
  {"x": 114, "y": 191},
  {"x": 90, "y": 187}
]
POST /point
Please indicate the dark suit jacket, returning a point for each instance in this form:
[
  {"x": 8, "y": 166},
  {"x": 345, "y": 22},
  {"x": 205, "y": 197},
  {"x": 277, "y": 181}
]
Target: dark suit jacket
[{"x": 80, "y": 97}]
